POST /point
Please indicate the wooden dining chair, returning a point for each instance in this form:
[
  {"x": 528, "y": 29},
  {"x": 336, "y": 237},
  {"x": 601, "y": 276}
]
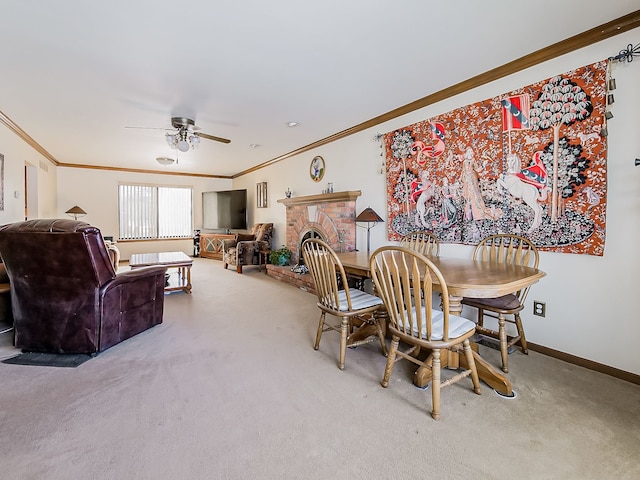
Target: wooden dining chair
[
  {"x": 355, "y": 308},
  {"x": 422, "y": 241},
  {"x": 404, "y": 280},
  {"x": 504, "y": 248}
]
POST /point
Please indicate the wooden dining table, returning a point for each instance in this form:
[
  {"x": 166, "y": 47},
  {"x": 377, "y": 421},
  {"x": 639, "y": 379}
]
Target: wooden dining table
[{"x": 465, "y": 277}]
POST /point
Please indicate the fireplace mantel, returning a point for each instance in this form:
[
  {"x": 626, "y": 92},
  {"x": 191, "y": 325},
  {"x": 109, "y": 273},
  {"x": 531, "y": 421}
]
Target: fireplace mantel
[{"x": 348, "y": 196}]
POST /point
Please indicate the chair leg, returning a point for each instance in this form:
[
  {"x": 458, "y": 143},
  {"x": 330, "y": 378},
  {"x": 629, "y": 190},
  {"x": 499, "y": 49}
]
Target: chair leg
[
  {"x": 380, "y": 334},
  {"x": 344, "y": 333},
  {"x": 435, "y": 384},
  {"x": 466, "y": 346},
  {"x": 523, "y": 340},
  {"x": 391, "y": 360},
  {"x": 239, "y": 269},
  {"x": 319, "y": 334},
  {"x": 225, "y": 265},
  {"x": 480, "y": 317},
  {"x": 504, "y": 343}
]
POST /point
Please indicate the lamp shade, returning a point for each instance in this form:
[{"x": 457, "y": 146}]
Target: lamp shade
[
  {"x": 75, "y": 212},
  {"x": 369, "y": 215}
]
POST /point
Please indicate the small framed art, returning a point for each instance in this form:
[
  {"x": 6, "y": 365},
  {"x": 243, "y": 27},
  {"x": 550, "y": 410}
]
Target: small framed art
[
  {"x": 316, "y": 169},
  {"x": 261, "y": 195}
]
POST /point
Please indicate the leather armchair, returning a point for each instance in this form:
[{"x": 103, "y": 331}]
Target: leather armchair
[
  {"x": 245, "y": 249},
  {"x": 5, "y": 300},
  {"x": 65, "y": 293}
]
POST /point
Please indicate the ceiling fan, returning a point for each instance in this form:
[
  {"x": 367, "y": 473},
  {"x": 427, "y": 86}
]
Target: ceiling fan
[{"x": 186, "y": 134}]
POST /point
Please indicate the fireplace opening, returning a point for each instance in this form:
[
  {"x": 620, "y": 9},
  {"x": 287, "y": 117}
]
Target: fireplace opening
[
  {"x": 311, "y": 233},
  {"x": 300, "y": 267}
]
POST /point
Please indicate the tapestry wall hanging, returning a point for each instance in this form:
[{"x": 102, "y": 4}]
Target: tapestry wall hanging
[
  {"x": 1, "y": 181},
  {"x": 530, "y": 162}
]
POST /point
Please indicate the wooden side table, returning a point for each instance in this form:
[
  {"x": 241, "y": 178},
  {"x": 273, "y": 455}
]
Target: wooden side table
[{"x": 263, "y": 257}]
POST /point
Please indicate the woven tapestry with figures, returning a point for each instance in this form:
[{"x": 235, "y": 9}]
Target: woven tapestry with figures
[{"x": 530, "y": 162}]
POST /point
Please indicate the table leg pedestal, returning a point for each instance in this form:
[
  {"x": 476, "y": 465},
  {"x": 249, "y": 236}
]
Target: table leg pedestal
[
  {"x": 487, "y": 373},
  {"x": 364, "y": 331}
]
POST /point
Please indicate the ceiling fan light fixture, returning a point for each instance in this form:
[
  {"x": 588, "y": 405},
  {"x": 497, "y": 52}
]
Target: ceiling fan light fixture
[
  {"x": 165, "y": 160},
  {"x": 183, "y": 146},
  {"x": 185, "y": 137}
]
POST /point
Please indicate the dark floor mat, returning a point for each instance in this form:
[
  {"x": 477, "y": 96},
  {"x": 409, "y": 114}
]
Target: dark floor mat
[{"x": 48, "y": 359}]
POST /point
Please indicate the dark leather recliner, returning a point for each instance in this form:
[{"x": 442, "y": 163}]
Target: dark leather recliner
[{"x": 66, "y": 296}]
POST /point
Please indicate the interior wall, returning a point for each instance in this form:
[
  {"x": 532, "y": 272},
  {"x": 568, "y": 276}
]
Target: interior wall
[
  {"x": 592, "y": 302},
  {"x": 17, "y": 155},
  {"x": 96, "y": 192}
]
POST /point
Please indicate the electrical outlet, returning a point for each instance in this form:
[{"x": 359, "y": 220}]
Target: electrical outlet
[{"x": 539, "y": 308}]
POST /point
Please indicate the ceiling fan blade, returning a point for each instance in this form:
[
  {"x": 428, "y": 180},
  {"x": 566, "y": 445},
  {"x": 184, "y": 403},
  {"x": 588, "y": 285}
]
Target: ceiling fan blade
[
  {"x": 211, "y": 137},
  {"x": 147, "y": 128}
]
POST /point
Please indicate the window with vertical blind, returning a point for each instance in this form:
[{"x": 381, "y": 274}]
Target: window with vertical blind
[{"x": 154, "y": 212}]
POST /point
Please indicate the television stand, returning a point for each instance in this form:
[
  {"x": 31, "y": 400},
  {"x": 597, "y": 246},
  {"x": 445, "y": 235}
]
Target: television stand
[{"x": 211, "y": 244}]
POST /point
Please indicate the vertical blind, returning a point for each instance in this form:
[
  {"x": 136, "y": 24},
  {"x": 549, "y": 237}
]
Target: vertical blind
[{"x": 149, "y": 212}]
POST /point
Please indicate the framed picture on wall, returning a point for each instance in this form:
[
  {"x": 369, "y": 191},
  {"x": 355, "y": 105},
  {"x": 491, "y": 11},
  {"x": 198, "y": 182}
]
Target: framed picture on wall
[
  {"x": 316, "y": 169},
  {"x": 261, "y": 195}
]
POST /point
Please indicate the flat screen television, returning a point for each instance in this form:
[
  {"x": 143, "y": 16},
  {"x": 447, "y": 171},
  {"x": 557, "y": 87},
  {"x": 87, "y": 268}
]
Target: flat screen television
[{"x": 224, "y": 210}]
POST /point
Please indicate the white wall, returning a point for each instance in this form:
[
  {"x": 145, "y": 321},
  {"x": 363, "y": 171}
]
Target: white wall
[
  {"x": 592, "y": 302},
  {"x": 17, "y": 155},
  {"x": 96, "y": 192}
]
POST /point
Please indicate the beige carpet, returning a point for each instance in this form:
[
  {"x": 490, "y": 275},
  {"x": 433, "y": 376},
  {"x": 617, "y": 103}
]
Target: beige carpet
[{"x": 229, "y": 387}]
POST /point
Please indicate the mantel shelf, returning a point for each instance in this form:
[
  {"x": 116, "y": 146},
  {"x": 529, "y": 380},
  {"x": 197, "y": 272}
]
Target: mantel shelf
[{"x": 322, "y": 198}]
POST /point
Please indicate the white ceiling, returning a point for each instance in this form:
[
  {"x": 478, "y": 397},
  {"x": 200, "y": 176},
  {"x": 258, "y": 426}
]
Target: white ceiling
[{"x": 75, "y": 73}]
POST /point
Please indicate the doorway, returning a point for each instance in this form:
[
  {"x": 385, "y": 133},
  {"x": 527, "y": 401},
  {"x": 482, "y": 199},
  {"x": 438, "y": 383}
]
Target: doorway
[{"x": 30, "y": 191}]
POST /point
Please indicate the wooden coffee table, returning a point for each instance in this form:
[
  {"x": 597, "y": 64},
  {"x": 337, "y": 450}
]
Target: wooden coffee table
[{"x": 178, "y": 260}]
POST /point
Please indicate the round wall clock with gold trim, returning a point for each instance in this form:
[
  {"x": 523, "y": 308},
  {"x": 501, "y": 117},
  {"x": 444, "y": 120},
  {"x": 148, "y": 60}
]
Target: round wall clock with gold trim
[{"x": 316, "y": 169}]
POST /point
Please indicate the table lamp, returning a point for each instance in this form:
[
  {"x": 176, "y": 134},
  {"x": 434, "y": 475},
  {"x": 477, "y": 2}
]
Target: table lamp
[{"x": 369, "y": 216}]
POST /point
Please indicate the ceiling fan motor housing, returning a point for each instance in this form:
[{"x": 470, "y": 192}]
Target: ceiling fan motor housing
[{"x": 183, "y": 122}]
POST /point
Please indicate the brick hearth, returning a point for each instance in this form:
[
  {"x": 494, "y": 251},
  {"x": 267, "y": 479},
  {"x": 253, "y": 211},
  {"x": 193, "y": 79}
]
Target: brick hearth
[{"x": 301, "y": 280}]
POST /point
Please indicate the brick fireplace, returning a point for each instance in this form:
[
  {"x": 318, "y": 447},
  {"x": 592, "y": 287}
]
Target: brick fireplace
[{"x": 331, "y": 216}]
